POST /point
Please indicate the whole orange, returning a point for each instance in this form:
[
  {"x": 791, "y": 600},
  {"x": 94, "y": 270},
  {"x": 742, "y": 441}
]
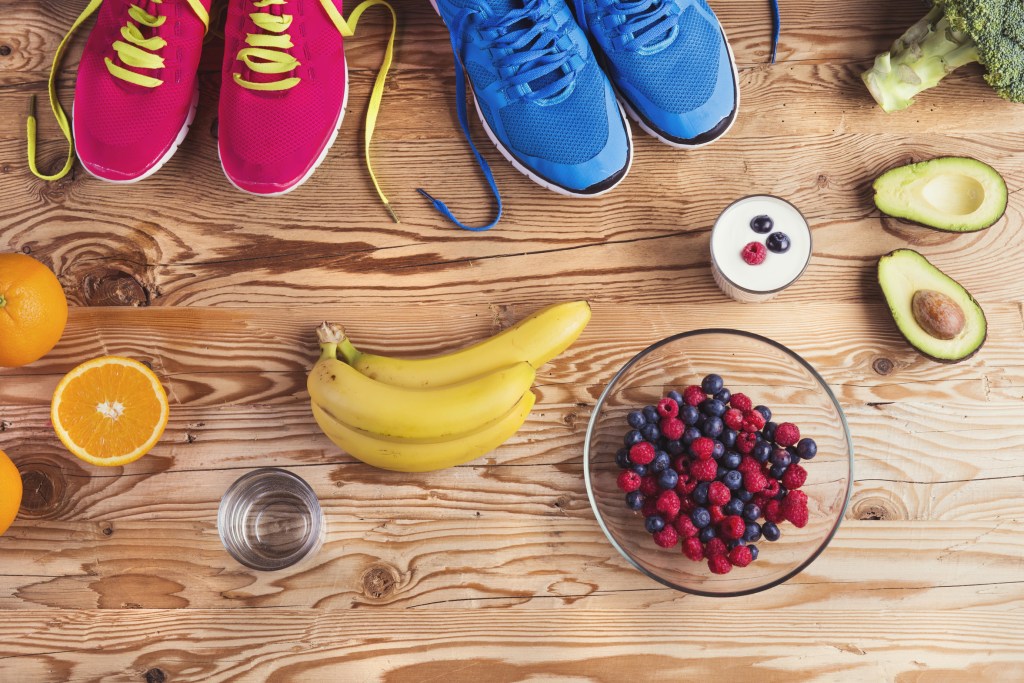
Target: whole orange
[
  {"x": 10, "y": 492},
  {"x": 33, "y": 310}
]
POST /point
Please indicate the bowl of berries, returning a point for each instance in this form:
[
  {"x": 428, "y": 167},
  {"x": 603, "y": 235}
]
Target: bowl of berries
[{"x": 719, "y": 462}]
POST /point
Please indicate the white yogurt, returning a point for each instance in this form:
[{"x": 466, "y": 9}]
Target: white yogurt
[{"x": 732, "y": 232}]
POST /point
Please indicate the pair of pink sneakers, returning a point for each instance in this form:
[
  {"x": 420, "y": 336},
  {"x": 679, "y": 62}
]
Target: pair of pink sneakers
[{"x": 282, "y": 98}]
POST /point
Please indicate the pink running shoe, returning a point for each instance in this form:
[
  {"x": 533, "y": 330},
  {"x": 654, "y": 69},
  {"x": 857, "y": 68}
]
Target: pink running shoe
[
  {"x": 136, "y": 91},
  {"x": 283, "y": 93}
]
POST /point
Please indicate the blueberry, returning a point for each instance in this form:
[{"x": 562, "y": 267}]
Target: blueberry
[
  {"x": 728, "y": 438},
  {"x": 712, "y": 384},
  {"x": 762, "y": 225},
  {"x": 724, "y": 395},
  {"x": 733, "y": 507},
  {"x": 769, "y": 431},
  {"x": 736, "y": 543},
  {"x": 622, "y": 458},
  {"x": 762, "y": 451},
  {"x": 744, "y": 495},
  {"x": 777, "y": 471},
  {"x": 675, "y": 447},
  {"x": 720, "y": 472},
  {"x": 636, "y": 419},
  {"x": 640, "y": 469},
  {"x": 751, "y": 511},
  {"x": 699, "y": 424},
  {"x": 661, "y": 462},
  {"x": 713, "y": 427},
  {"x": 752, "y": 532},
  {"x": 718, "y": 450},
  {"x": 634, "y": 500},
  {"x": 712, "y": 406},
  {"x": 650, "y": 433},
  {"x": 733, "y": 479},
  {"x": 753, "y": 552},
  {"x": 675, "y": 396},
  {"x": 700, "y": 517},
  {"x": 807, "y": 449},
  {"x": 778, "y": 242},
  {"x": 700, "y": 493},
  {"x": 690, "y": 435},
  {"x": 706, "y": 534},
  {"x": 767, "y": 414},
  {"x": 668, "y": 479},
  {"x": 633, "y": 437},
  {"x": 732, "y": 460},
  {"x": 654, "y": 523},
  {"x": 689, "y": 414},
  {"x": 771, "y": 531},
  {"x": 781, "y": 457},
  {"x": 782, "y": 493},
  {"x": 651, "y": 415}
]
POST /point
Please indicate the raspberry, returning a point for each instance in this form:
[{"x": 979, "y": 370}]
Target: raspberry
[
  {"x": 754, "y": 481},
  {"x": 787, "y": 434},
  {"x": 672, "y": 427},
  {"x": 798, "y": 516},
  {"x": 702, "y": 448},
  {"x": 668, "y": 504},
  {"x": 667, "y": 537},
  {"x": 753, "y": 421},
  {"x": 628, "y": 481},
  {"x": 754, "y": 253},
  {"x": 715, "y": 548},
  {"x": 718, "y": 493},
  {"x": 741, "y": 402},
  {"x": 745, "y": 442},
  {"x": 642, "y": 453},
  {"x": 693, "y": 549},
  {"x": 716, "y": 514},
  {"x": 794, "y": 477},
  {"x": 686, "y": 505},
  {"x": 796, "y": 498},
  {"x": 685, "y": 486},
  {"x": 685, "y": 527},
  {"x": 650, "y": 507},
  {"x": 760, "y": 500},
  {"x": 772, "y": 489},
  {"x": 733, "y": 419},
  {"x": 668, "y": 408},
  {"x": 693, "y": 395},
  {"x": 681, "y": 464},
  {"x": 773, "y": 511},
  {"x": 748, "y": 464},
  {"x": 740, "y": 556},
  {"x": 719, "y": 564},
  {"x": 732, "y": 527},
  {"x": 704, "y": 470},
  {"x": 648, "y": 485}
]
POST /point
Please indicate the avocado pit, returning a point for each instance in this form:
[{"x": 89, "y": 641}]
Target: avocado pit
[{"x": 938, "y": 314}]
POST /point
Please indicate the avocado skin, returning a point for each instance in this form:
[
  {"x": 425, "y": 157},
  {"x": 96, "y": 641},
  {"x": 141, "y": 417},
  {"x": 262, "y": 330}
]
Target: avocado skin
[
  {"x": 911, "y": 221},
  {"x": 895, "y": 314}
]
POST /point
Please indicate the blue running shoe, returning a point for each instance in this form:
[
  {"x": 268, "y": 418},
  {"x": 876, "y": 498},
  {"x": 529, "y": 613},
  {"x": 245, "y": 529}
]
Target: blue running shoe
[
  {"x": 540, "y": 93},
  {"x": 670, "y": 63}
]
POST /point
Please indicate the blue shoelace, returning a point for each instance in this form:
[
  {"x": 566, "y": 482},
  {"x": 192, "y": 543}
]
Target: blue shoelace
[
  {"x": 648, "y": 24},
  {"x": 541, "y": 69}
]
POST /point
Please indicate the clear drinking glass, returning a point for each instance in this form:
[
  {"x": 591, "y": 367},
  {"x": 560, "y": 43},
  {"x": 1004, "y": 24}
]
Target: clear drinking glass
[{"x": 270, "y": 519}]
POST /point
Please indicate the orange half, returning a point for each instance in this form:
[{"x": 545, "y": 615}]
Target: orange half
[{"x": 109, "y": 411}]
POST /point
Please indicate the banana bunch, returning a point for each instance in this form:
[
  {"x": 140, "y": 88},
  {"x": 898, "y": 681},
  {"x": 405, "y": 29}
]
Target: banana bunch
[{"x": 423, "y": 414}]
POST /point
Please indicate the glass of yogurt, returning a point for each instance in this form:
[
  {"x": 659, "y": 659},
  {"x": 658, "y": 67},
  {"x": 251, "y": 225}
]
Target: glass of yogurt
[{"x": 759, "y": 246}]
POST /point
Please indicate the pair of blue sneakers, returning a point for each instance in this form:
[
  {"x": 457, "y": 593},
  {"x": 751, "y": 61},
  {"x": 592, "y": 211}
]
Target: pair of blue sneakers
[{"x": 552, "y": 85}]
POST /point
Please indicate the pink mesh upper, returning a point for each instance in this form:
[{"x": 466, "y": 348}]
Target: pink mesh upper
[
  {"x": 122, "y": 130},
  {"x": 270, "y": 141}
]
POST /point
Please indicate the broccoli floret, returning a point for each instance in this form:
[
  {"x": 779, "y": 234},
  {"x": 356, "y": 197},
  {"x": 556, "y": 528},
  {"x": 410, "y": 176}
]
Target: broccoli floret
[{"x": 954, "y": 33}]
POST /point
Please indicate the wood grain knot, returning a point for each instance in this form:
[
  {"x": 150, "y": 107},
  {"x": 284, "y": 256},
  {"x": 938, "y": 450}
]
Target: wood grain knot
[
  {"x": 5, "y": 50},
  {"x": 111, "y": 287},
  {"x": 47, "y": 488},
  {"x": 823, "y": 181},
  {"x": 155, "y": 676},
  {"x": 503, "y": 317},
  {"x": 883, "y": 366},
  {"x": 5, "y": 425},
  {"x": 107, "y": 529},
  {"x": 878, "y": 506},
  {"x": 379, "y": 581}
]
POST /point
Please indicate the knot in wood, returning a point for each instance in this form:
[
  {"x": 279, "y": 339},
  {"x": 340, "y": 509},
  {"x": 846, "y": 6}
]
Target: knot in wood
[
  {"x": 46, "y": 488},
  {"x": 5, "y": 50},
  {"x": 110, "y": 287},
  {"x": 155, "y": 676},
  {"x": 883, "y": 366},
  {"x": 379, "y": 581},
  {"x": 878, "y": 507}
]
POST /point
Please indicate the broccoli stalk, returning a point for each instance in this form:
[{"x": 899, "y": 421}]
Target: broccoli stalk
[{"x": 918, "y": 60}]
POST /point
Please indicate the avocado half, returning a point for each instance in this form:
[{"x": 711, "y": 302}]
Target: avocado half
[
  {"x": 932, "y": 310},
  {"x": 953, "y": 194}
]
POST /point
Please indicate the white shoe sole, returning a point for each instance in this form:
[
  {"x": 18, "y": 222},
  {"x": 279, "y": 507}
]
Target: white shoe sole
[{"x": 316, "y": 165}]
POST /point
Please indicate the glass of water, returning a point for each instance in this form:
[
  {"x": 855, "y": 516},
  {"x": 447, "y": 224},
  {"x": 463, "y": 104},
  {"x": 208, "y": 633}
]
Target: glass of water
[{"x": 270, "y": 519}]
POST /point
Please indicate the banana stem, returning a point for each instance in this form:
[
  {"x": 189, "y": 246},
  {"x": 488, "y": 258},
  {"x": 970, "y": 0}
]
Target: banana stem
[
  {"x": 349, "y": 352},
  {"x": 329, "y": 335}
]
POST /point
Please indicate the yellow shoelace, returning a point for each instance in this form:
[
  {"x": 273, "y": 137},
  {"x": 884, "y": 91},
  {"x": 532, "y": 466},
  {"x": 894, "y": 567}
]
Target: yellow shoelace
[
  {"x": 135, "y": 50},
  {"x": 267, "y": 53}
]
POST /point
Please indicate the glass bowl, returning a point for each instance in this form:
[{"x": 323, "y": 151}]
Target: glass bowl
[{"x": 771, "y": 375}]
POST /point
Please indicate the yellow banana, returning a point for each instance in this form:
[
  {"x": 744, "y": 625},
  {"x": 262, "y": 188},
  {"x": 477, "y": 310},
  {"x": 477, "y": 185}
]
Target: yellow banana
[
  {"x": 536, "y": 340},
  {"x": 398, "y": 412},
  {"x": 423, "y": 455}
]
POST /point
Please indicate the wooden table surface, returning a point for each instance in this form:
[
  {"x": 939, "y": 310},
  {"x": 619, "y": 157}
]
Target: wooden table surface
[{"x": 497, "y": 570}]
